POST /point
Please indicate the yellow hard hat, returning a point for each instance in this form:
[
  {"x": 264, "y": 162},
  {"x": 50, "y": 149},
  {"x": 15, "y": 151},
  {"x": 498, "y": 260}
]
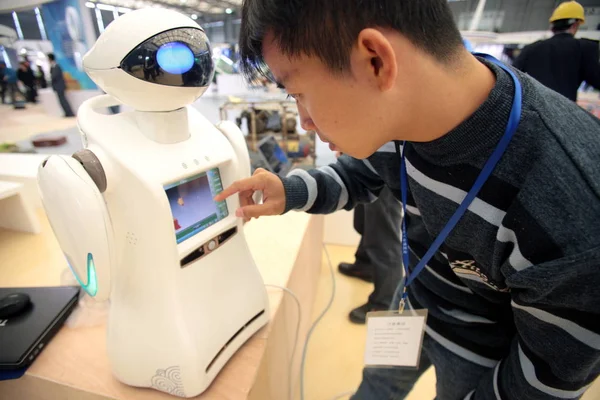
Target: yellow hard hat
[{"x": 568, "y": 10}]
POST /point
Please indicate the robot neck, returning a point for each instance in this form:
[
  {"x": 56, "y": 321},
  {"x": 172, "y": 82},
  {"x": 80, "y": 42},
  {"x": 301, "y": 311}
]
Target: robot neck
[{"x": 164, "y": 127}]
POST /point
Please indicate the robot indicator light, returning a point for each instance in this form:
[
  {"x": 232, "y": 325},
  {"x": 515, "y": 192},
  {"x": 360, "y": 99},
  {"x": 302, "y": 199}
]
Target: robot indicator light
[
  {"x": 175, "y": 58},
  {"x": 91, "y": 287}
]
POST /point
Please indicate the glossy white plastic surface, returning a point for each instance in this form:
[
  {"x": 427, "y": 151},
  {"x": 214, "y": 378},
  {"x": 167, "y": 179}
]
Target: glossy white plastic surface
[
  {"x": 238, "y": 142},
  {"x": 143, "y": 96},
  {"x": 130, "y": 30},
  {"x": 80, "y": 221},
  {"x": 123, "y": 35},
  {"x": 175, "y": 319},
  {"x": 170, "y": 327}
]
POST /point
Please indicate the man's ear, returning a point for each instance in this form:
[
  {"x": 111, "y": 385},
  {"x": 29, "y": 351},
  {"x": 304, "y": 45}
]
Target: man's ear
[{"x": 377, "y": 55}]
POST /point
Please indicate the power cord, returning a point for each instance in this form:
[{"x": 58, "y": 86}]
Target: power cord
[
  {"x": 339, "y": 396},
  {"x": 314, "y": 325},
  {"x": 299, "y": 307},
  {"x": 310, "y": 331}
]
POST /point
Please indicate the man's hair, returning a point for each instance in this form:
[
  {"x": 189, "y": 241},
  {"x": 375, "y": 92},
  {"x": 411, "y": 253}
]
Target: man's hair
[
  {"x": 51, "y": 57},
  {"x": 328, "y": 29},
  {"x": 563, "y": 25}
]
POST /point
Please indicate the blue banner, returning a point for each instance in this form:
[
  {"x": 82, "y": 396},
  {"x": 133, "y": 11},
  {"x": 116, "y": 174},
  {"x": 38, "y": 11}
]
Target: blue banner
[{"x": 65, "y": 30}]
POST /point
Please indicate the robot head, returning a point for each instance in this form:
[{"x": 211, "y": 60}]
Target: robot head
[{"x": 152, "y": 60}]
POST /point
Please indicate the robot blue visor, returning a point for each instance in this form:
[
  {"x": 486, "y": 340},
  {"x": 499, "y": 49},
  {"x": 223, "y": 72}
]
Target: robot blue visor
[{"x": 179, "y": 57}]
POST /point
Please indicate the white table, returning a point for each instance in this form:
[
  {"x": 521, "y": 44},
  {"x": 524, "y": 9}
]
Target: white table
[
  {"x": 23, "y": 168},
  {"x": 16, "y": 213},
  {"x": 287, "y": 251}
]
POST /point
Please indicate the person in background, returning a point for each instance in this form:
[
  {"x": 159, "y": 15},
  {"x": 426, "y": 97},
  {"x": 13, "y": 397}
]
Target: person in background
[
  {"x": 3, "y": 85},
  {"x": 10, "y": 79},
  {"x": 378, "y": 256},
  {"x": 40, "y": 76},
  {"x": 59, "y": 85},
  {"x": 562, "y": 62},
  {"x": 25, "y": 75}
]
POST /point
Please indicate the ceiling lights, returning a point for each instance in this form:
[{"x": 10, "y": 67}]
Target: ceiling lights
[{"x": 189, "y": 7}]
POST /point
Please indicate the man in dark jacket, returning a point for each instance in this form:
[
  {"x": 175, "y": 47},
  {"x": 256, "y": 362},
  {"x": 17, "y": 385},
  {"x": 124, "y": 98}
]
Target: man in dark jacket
[
  {"x": 3, "y": 85},
  {"x": 9, "y": 78},
  {"x": 562, "y": 62},
  {"x": 59, "y": 85},
  {"x": 25, "y": 75}
]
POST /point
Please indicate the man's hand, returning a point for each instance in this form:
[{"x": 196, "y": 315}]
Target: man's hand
[{"x": 262, "y": 181}]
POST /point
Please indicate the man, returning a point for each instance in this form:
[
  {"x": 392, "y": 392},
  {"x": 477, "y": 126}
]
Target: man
[
  {"x": 10, "y": 80},
  {"x": 3, "y": 85},
  {"x": 59, "y": 85},
  {"x": 512, "y": 292},
  {"x": 562, "y": 62},
  {"x": 25, "y": 75},
  {"x": 376, "y": 259},
  {"x": 379, "y": 252}
]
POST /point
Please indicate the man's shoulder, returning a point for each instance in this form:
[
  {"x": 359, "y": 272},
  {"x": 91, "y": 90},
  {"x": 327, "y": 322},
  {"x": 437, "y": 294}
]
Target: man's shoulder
[
  {"x": 562, "y": 131},
  {"x": 534, "y": 46}
]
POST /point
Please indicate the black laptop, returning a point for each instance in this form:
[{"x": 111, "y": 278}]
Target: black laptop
[{"x": 24, "y": 336}]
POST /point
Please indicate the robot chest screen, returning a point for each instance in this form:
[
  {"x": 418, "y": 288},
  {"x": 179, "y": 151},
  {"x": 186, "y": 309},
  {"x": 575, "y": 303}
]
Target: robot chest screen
[{"x": 192, "y": 204}]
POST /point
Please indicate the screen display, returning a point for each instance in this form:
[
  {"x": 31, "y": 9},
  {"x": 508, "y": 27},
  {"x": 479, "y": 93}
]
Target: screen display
[
  {"x": 274, "y": 154},
  {"x": 192, "y": 204}
]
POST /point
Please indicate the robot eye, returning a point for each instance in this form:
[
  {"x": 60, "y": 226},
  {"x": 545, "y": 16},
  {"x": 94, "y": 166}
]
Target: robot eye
[
  {"x": 175, "y": 58},
  {"x": 178, "y": 57}
]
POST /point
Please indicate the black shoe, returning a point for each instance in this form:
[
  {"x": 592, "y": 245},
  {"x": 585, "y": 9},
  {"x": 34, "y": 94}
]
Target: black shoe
[
  {"x": 359, "y": 314},
  {"x": 355, "y": 272}
]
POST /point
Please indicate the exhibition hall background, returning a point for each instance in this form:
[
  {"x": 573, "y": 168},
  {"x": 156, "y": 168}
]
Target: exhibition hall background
[{"x": 30, "y": 29}]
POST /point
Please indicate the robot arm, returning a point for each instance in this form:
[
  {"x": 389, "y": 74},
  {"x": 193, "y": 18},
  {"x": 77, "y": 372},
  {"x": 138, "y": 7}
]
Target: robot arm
[
  {"x": 236, "y": 138},
  {"x": 71, "y": 190}
]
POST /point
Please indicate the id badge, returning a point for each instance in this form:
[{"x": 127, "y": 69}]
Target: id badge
[{"x": 395, "y": 339}]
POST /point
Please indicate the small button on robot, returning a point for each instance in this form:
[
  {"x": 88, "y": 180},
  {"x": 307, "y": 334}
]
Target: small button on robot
[{"x": 212, "y": 245}]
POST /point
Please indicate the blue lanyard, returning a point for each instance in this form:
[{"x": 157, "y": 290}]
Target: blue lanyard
[{"x": 486, "y": 172}]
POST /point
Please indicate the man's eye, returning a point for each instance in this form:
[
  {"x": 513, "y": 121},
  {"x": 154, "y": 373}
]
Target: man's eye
[{"x": 292, "y": 96}]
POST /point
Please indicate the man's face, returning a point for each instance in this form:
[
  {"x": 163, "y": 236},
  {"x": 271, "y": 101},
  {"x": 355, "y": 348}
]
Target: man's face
[{"x": 341, "y": 109}]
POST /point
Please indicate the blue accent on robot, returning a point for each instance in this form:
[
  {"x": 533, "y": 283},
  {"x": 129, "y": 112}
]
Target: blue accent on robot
[{"x": 175, "y": 58}]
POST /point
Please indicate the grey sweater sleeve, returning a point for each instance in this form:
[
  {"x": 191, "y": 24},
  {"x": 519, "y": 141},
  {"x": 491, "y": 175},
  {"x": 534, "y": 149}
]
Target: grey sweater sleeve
[
  {"x": 556, "y": 352},
  {"x": 327, "y": 189}
]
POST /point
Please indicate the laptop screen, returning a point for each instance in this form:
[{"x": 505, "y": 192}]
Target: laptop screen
[{"x": 274, "y": 154}]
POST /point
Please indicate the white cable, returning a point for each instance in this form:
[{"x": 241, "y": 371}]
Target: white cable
[
  {"x": 288, "y": 291},
  {"x": 314, "y": 325},
  {"x": 339, "y": 396},
  {"x": 310, "y": 332}
]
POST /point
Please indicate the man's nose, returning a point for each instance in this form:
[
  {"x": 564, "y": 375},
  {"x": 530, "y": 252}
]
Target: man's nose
[{"x": 305, "y": 121}]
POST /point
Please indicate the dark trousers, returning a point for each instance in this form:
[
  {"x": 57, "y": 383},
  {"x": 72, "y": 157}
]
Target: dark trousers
[
  {"x": 14, "y": 92},
  {"x": 380, "y": 247},
  {"x": 3, "y": 90},
  {"x": 64, "y": 103},
  {"x": 32, "y": 94},
  {"x": 456, "y": 376}
]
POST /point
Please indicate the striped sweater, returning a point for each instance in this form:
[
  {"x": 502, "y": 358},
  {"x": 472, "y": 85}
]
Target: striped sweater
[{"x": 518, "y": 280}]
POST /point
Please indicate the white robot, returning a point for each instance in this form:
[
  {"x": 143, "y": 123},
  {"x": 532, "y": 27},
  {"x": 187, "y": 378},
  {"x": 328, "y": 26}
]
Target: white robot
[{"x": 134, "y": 211}]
